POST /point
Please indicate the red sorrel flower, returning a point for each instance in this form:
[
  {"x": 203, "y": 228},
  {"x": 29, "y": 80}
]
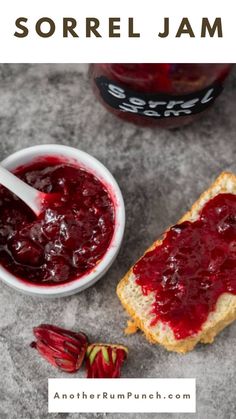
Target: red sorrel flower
[
  {"x": 62, "y": 348},
  {"x": 104, "y": 360}
]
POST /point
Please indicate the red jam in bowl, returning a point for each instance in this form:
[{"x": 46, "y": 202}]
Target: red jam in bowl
[
  {"x": 192, "y": 268},
  {"x": 72, "y": 233}
]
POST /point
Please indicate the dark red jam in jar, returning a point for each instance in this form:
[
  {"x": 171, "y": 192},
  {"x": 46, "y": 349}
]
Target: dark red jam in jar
[
  {"x": 71, "y": 235},
  {"x": 192, "y": 268},
  {"x": 165, "y": 95}
]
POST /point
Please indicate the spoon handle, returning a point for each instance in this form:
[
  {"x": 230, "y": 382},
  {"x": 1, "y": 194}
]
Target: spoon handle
[{"x": 27, "y": 193}]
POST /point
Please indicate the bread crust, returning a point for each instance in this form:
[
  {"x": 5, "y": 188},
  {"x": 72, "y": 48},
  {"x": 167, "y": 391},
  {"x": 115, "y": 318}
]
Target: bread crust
[{"x": 225, "y": 183}]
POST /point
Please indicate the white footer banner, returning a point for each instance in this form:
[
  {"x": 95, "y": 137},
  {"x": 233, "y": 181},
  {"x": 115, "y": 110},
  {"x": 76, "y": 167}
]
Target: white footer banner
[{"x": 127, "y": 395}]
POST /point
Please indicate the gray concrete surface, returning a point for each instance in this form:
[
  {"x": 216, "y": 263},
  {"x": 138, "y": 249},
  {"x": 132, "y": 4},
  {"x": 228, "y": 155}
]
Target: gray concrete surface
[{"x": 160, "y": 173}]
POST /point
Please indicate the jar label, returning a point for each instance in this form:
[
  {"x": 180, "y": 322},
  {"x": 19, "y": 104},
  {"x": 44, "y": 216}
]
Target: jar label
[{"x": 156, "y": 105}]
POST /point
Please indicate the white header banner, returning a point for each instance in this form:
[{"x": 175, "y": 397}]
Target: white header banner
[
  {"x": 122, "y": 31},
  {"x": 122, "y": 395}
]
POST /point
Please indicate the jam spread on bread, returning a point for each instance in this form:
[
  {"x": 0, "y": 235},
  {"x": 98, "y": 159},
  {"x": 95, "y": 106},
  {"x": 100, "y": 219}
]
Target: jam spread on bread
[
  {"x": 194, "y": 265},
  {"x": 69, "y": 237}
]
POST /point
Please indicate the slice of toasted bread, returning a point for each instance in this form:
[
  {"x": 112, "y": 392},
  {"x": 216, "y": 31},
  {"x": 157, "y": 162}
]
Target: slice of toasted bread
[{"x": 139, "y": 306}]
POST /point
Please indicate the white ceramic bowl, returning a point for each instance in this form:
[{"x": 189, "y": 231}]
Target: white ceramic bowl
[{"x": 88, "y": 162}]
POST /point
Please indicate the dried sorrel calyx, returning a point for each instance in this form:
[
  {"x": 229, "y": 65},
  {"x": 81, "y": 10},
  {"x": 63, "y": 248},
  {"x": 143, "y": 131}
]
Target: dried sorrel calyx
[
  {"x": 62, "y": 348},
  {"x": 105, "y": 360}
]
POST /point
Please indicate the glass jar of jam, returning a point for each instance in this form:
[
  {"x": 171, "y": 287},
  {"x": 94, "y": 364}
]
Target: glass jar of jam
[{"x": 165, "y": 95}]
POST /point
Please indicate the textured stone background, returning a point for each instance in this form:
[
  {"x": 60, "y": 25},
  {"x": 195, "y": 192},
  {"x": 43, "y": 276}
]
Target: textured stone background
[{"x": 160, "y": 173}]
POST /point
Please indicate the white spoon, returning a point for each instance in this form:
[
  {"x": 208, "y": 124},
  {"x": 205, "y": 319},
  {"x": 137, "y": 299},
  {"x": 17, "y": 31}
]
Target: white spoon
[{"x": 29, "y": 195}]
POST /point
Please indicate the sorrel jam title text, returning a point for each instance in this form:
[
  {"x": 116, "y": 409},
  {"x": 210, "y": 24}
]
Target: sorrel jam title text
[{"x": 46, "y": 27}]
